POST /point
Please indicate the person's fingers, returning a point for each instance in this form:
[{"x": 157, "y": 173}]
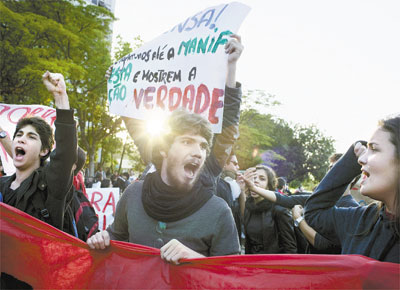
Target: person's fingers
[
  {"x": 231, "y": 46},
  {"x": 174, "y": 258},
  {"x": 90, "y": 243},
  {"x": 359, "y": 149},
  {"x": 237, "y": 37},
  {"x": 98, "y": 241},
  {"x": 45, "y": 75},
  {"x": 55, "y": 78},
  {"x": 168, "y": 248},
  {"x": 106, "y": 238}
]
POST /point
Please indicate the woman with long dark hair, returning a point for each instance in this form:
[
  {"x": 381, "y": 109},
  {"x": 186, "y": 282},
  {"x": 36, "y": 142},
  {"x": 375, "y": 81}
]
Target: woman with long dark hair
[
  {"x": 268, "y": 227},
  {"x": 373, "y": 230}
]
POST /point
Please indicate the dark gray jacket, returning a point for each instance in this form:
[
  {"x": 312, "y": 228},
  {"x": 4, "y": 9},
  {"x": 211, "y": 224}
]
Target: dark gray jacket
[{"x": 363, "y": 230}]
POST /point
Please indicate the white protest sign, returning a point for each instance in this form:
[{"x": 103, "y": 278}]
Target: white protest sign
[
  {"x": 9, "y": 117},
  {"x": 104, "y": 202},
  {"x": 184, "y": 67}
]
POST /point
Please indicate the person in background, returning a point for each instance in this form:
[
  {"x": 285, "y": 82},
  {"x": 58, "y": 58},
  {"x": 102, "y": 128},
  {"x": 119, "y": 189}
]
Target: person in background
[
  {"x": 373, "y": 230},
  {"x": 281, "y": 185},
  {"x": 268, "y": 227},
  {"x": 97, "y": 180},
  {"x": 334, "y": 158},
  {"x": 132, "y": 176},
  {"x": 106, "y": 183},
  {"x": 79, "y": 180},
  {"x": 229, "y": 190},
  {"x": 305, "y": 234}
]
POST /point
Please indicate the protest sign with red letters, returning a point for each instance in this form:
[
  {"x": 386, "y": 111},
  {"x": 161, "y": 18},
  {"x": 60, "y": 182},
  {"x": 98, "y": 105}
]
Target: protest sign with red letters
[
  {"x": 183, "y": 68},
  {"x": 104, "y": 202}
]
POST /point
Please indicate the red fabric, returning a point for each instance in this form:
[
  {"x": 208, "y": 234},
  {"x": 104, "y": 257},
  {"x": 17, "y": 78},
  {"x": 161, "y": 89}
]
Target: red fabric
[{"x": 47, "y": 258}]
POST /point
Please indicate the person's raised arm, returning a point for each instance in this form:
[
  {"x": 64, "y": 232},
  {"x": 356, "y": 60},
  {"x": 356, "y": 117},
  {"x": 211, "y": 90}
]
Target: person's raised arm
[
  {"x": 59, "y": 170},
  {"x": 234, "y": 48},
  {"x": 138, "y": 132},
  {"x": 224, "y": 141},
  {"x": 249, "y": 180},
  {"x": 279, "y": 199},
  {"x": 320, "y": 211}
]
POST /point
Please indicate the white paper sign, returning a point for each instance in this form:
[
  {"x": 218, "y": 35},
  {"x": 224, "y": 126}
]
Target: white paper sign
[
  {"x": 9, "y": 117},
  {"x": 104, "y": 202},
  {"x": 184, "y": 67}
]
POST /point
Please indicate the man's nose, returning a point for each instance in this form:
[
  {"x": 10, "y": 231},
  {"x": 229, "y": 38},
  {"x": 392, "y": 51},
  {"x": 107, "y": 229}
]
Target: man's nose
[
  {"x": 21, "y": 139},
  {"x": 196, "y": 150}
]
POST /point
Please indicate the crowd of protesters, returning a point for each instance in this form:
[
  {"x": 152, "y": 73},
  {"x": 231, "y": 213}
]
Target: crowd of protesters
[
  {"x": 195, "y": 202},
  {"x": 109, "y": 178}
]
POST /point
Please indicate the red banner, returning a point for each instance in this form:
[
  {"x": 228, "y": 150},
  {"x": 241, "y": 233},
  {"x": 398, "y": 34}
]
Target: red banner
[{"x": 47, "y": 258}]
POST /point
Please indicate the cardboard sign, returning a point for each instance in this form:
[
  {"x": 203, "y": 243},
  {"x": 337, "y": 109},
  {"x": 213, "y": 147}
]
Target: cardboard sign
[
  {"x": 183, "y": 68},
  {"x": 104, "y": 201}
]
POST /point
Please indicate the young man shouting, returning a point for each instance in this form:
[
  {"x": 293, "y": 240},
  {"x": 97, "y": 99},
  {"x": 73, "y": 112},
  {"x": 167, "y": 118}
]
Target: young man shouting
[
  {"x": 175, "y": 208},
  {"x": 37, "y": 188}
]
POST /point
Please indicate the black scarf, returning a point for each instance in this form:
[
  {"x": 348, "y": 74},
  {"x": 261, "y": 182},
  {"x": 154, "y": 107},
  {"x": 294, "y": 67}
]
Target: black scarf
[
  {"x": 259, "y": 207},
  {"x": 13, "y": 197},
  {"x": 166, "y": 204}
]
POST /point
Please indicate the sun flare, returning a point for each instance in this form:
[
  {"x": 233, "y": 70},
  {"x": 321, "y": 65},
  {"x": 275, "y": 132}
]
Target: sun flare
[{"x": 156, "y": 122}]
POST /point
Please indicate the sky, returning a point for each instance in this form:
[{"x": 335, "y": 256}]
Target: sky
[{"x": 334, "y": 64}]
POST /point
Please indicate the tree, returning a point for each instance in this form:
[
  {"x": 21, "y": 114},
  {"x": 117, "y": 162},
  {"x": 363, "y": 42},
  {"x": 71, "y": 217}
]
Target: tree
[
  {"x": 253, "y": 128},
  {"x": 112, "y": 143},
  {"x": 299, "y": 153},
  {"x": 69, "y": 37},
  {"x": 289, "y": 155},
  {"x": 317, "y": 149}
]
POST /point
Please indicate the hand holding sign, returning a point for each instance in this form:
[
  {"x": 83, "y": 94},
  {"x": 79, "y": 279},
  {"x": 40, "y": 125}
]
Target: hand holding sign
[{"x": 234, "y": 48}]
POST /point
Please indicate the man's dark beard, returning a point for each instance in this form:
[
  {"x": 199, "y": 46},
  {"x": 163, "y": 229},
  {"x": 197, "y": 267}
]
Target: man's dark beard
[{"x": 184, "y": 187}]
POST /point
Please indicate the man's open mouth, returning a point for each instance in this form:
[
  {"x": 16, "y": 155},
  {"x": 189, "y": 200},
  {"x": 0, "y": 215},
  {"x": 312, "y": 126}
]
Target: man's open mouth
[
  {"x": 191, "y": 168},
  {"x": 19, "y": 152}
]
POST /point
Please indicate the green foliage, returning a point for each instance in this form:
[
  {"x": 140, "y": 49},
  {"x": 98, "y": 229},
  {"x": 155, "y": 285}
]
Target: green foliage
[
  {"x": 317, "y": 149},
  {"x": 133, "y": 154},
  {"x": 258, "y": 100},
  {"x": 60, "y": 36},
  {"x": 124, "y": 47},
  {"x": 253, "y": 129},
  {"x": 298, "y": 153}
]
